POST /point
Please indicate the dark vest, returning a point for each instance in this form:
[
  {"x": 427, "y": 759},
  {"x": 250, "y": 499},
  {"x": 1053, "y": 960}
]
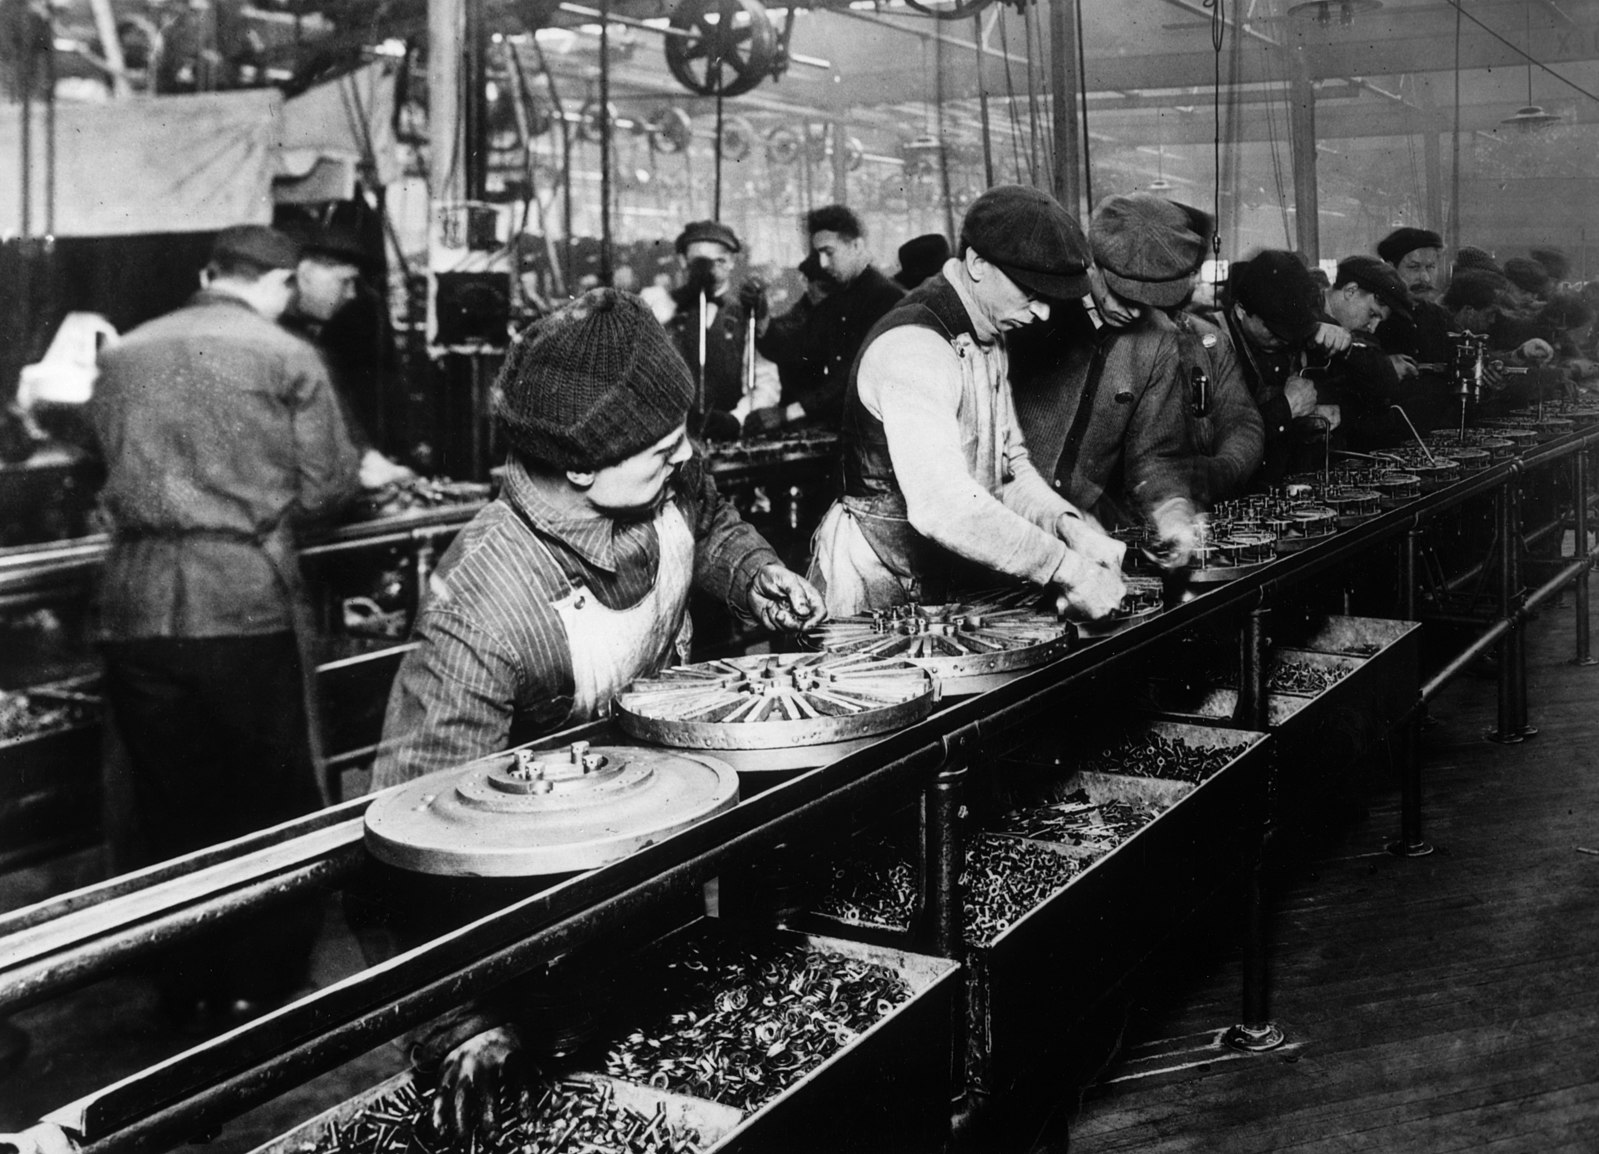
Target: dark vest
[{"x": 871, "y": 490}]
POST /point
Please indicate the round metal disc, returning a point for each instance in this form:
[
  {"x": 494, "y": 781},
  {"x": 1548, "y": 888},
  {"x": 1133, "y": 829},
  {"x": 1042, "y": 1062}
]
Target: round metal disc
[
  {"x": 532, "y": 813},
  {"x": 971, "y": 646},
  {"x": 780, "y": 711}
]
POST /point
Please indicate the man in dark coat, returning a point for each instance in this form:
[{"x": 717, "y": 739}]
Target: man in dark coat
[
  {"x": 1419, "y": 346},
  {"x": 1363, "y": 380},
  {"x": 1099, "y": 393},
  {"x": 815, "y": 343}
]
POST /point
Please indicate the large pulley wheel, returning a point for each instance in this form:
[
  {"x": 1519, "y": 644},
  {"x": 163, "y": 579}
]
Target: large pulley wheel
[
  {"x": 722, "y": 47},
  {"x": 971, "y": 645},
  {"x": 669, "y": 130},
  {"x": 785, "y": 711},
  {"x": 535, "y": 813}
]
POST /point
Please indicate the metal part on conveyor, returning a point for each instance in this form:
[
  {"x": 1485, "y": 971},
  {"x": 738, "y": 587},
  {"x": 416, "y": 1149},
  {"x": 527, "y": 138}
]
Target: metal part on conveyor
[
  {"x": 196, "y": 1090},
  {"x": 970, "y": 645},
  {"x": 535, "y": 813},
  {"x": 781, "y": 711}
]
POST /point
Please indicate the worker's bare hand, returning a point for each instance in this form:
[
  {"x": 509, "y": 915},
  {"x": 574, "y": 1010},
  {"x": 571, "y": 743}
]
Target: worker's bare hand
[
  {"x": 477, "y": 1075},
  {"x": 1332, "y": 414},
  {"x": 1333, "y": 338},
  {"x": 1087, "y": 589},
  {"x": 1404, "y": 366},
  {"x": 783, "y": 601},
  {"x": 1301, "y": 396},
  {"x": 1537, "y": 350},
  {"x": 1083, "y": 535},
  {"x": 378, "y": 471}
]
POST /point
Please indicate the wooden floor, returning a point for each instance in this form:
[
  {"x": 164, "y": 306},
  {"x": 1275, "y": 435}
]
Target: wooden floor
[{"x": 1435, "y": 1004}]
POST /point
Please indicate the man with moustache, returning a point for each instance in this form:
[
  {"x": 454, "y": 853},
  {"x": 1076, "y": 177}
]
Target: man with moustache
[
  {"x": 1419, "y": 346},
  {"x": 939, "y": 493}
]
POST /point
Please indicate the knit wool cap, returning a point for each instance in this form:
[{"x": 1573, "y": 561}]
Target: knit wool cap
[
  {"x": 1032, "y": 238},
  {"x": 712, "y": 230},
  {"x": 592, "y": 383},
  {"x": 1556, "y": 263},
  {"x": 1277, "y": 287},
  {"x": 1527, "y": 274},
  {"x": 1376, "y": 277},
  {"x": 1473, "y": 288},
  {"x": 1148, "y": 248},
  {"x": 1470, "y": 256},
  {"x": 921, "y": 257},
  {"x": 1393, "y": 247},
  {"x": 257, "y": 244}
]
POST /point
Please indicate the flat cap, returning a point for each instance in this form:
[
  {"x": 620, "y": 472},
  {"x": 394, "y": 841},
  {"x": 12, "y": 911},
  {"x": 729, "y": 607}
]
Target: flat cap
[
  {"x": 335, "y": 243},
  {"x": 1277, "y": 287},
  {"x": 1470, "y": 256},
  {"x": 1393, "y": 247},
  {"x": 1555, "y": 262},
  {"x": 1148, "y": 248},
  {"x": 1527, "y": 275},
  {"x": 1377, "y": 277},
  {"x": 1474, "y": 288},
  {"x": 712, "y": 230},
  {"x": 921, "y": 257},
  {"x": 1032, "y": 238},
  {"x": 257, "y": 244}
]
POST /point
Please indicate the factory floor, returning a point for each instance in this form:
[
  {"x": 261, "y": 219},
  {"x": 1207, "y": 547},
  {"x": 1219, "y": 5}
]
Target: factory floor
[{"x": 1434, "y": 1004}]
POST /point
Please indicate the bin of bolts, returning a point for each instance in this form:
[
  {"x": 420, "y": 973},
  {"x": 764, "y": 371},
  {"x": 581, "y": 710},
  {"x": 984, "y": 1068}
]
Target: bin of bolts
[
  {"x": 739, "y": 1020},
  {"x": 580, "y": 1114},
  {"x": 873, "y": 886},
  {"x": 27, "y": 715}
]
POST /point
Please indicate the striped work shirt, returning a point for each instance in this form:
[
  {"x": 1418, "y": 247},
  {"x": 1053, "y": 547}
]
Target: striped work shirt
[{"x": 493, "y": 667}]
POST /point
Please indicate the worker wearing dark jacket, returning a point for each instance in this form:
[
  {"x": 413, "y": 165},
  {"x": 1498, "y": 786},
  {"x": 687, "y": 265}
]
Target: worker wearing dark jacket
[
  {"x": 221, "y": 436},
  {"x": 1419, "y": 346},
  {"x": 814, "y": 344},
  {"x": 1225, "y": 431},
  {"x": 1362, "y": 381},
  {"x": 1099, "y": 397}
]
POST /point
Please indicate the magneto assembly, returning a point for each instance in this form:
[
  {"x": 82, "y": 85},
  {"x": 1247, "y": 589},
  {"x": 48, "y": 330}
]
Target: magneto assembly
[
  {"x": 971, "y": 646},
  {"x": 782, "y": 711},
  {"x": 531, "y": 813}
]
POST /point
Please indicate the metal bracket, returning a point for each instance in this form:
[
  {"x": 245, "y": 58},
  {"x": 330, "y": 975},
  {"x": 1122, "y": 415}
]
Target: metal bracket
[{"x": 962, "y": 744}]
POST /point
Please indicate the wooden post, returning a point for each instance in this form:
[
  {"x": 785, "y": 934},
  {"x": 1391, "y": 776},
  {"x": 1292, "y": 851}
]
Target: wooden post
[{"x": 1302, "y": 145}]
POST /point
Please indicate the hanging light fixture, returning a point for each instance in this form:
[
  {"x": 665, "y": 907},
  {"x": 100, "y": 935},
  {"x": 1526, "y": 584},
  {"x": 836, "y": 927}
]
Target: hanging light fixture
[
  {"x": 1529, "y": 117},
  {"x": 1322, "y": 12}
]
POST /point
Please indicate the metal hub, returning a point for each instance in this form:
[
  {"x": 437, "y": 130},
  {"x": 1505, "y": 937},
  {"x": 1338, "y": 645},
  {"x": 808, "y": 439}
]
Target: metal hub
[
  {"x": 970, "y": 646},
  {"x": 532, "y": 813},
  {"x": 780, "y": 712}
]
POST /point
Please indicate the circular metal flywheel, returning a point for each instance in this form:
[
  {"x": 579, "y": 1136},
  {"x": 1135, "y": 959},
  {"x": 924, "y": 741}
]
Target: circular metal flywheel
[
  {"x": 971, "y": 645},
  {"x": 781, "y": 711},
  {"x": 722, "y": 47},
  {"x": 531, "y": 813}
]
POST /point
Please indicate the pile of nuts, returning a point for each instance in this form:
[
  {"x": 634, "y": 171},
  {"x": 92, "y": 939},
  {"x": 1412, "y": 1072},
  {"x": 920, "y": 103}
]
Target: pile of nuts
[
  {"x": 1145, "y": 754},
  {"x": 22, "y": 716},
  {"x": 740, "y": 1022},
  {"x": 1004, "y": 878},
  {"x": 1301, "y": 678},
  {"x": 1077, "y": 821},
  {"x": 571, "y": 1116},
  {"x": 878, "y": 889}
]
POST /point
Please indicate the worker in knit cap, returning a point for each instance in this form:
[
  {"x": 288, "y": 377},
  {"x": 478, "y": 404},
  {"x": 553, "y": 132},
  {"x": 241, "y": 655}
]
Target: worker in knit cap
[
  {"x": 606, "y": 519},
  {"x": 574, "y": 582}
]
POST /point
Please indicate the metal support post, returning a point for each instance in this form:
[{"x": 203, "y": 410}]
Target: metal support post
[
  {"x": 1256, "y": 1031},
  {"x": 1505, "y": 730},
  {"x": 1518, "y": 636},
  {"x": 1579, "y": 504},
  {"x": 944, "y": 857},
  {"x": 1407, "y": 739}
]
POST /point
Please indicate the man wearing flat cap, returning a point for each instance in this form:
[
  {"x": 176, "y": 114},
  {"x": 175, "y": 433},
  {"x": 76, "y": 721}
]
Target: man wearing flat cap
[
  {"x": 1363, "y": 381},
  {"x": 1272, "y": 315},
  {"x": 1100, "y": 392},
  {"x": 939, "y": 492},
  {"x": 221, "y": 438},
  {"x": 1419, "y": 346},
  {"x": 710, "y": 324}
]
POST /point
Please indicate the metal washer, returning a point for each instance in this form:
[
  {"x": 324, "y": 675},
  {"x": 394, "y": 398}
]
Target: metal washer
[{"x": 533, "y": 813}]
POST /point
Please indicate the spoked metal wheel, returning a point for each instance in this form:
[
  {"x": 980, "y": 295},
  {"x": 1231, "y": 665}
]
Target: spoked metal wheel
[
  {"x": 722, "y": 47},
  {"x": 780, "y": 712}
]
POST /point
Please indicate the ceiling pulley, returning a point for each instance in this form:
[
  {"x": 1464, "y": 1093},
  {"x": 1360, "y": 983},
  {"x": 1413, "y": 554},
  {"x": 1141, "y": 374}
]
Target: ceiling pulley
[
  {"x": 723, "y": 47},
  {"x": 782, "y": 146},
  {"x": 589, "y": 125},
  {"x": 738, "y": 139}
]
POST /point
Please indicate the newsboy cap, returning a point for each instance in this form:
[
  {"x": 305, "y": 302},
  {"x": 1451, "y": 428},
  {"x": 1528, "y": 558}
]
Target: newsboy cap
[
  {"x": 1556, "y": 263},
  {"x": 593, "y": 383},
  {"x": 1376, "y": 277},
  {"x": 1148, "y": 248},
  {"x": 257, "y": 244},
  {"x": 1527, "y": 275},
  {"x": 712, "y": 230},
  {"x": 1031, "y": 237},
  {"x": 1277, "y": 287},
  {"x": 1393, "y": 247},
  {"x": 921, "y": 257}
]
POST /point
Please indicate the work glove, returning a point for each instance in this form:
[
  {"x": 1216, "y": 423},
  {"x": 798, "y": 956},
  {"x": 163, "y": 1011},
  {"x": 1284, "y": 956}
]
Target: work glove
[
  {"x": 1177, "y": 532},
  {"x": 475, "y": 1077},
  {"x": 1087, "y": 589},
  {"x": 762, "y": 421},
  {"x": 752, "y": 295},
  {"x": 783, "y": 601},
  {"x": 1083, "y": 535}
]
